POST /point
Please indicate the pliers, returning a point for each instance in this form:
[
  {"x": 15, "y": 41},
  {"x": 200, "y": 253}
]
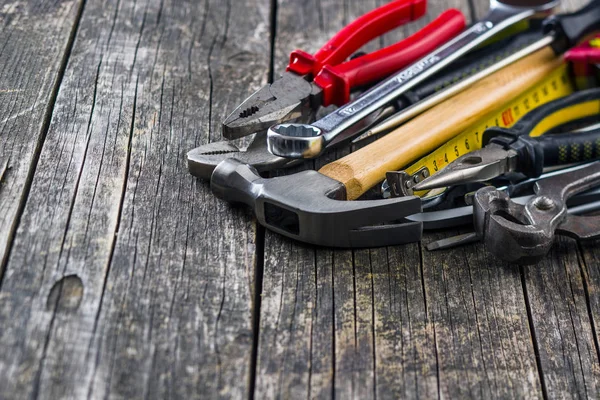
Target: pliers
[
  {"x": 322, "y": 79},
  {"x": 517, "y": 149},
  {"x": 523, "y": 234}
]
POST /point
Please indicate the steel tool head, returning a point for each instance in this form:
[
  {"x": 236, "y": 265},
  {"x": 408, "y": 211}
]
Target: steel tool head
[
  {"x": 507, "y": 230},
  {"x": 537, "y": 8},
  {"x": 296, "y": 140},
  {"x": 203, "y": 160},
  {"x": 310, "y": 207},
  {"x": 478, "y": 166},
  {"x": 286, "y": 99},
  {"x": 524, "y": 233}
]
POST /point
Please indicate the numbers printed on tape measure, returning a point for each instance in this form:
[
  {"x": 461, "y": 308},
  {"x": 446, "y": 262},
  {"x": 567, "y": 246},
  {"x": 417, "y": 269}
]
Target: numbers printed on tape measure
[{"x": 557, "y": 85}]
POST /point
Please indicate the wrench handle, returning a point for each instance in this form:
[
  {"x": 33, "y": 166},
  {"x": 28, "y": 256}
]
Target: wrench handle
[
  {"x": 337, "y": 80},
  {"x": 356, "y": 34},
  {"x": 363, "y": 169}
]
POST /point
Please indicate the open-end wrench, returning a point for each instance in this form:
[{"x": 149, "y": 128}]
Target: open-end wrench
[{"x": 308, "y": 141}]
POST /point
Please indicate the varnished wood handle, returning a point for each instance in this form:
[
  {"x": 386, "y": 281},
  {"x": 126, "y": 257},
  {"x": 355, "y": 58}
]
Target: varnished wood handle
[{"x": 363, "y": 169}]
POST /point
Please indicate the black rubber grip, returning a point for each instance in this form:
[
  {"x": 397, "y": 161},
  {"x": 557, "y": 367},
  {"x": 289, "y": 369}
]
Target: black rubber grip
[
  {"x": 530, "y": 120},
  {"x": 569, "y": 148},
  {"x": 571, "y": 28},
  {"x": 536, "y": 153}
]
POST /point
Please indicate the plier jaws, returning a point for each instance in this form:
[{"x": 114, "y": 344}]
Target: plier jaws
[
  {"x": 524, "y": 233},
  {"x": 287, "y": 99},
  {"x": 326, "y": 78}
]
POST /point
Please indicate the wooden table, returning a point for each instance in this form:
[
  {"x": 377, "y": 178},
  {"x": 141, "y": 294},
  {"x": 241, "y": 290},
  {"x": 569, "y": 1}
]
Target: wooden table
[{"x": 123, "y": 277}]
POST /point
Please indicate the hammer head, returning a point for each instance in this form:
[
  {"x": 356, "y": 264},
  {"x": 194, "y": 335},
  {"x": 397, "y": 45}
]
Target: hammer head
[{"x": 311, "y": 207}]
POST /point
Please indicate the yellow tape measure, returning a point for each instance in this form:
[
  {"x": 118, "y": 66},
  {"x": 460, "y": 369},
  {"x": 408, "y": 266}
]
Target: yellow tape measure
[{"x": 556, "y": 85}]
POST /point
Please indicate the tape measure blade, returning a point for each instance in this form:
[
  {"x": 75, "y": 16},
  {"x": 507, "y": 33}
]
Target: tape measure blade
[{"x": 556, "y": 85}]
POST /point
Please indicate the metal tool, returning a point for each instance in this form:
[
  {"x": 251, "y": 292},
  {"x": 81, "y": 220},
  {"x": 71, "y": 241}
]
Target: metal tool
[
  {"x": 308, "y": 141},
  {"x": 468, "y": 70},
  {"x": 524, "y": 233},
  {"x": 514, "y": 149},
  {"x": 310, "y": 207},
  {"x": 434, "y": 218},
  {"x": 203, "y": 159},
  {"x": 325, "y": 79},
  {"x": 555, "y": 86}
]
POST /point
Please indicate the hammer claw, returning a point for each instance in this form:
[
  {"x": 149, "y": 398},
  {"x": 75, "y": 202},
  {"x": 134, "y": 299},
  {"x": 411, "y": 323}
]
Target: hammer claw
[{"x": 310, "y": 207}]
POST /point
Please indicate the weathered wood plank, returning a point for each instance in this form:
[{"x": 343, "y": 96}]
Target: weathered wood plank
[
  {"x": 127, "y": 277},
  {"x": 339, "y": 323},
  {"x": 479, "y": 316},
  {"x": 563, "y": 331},
  {"x": 35, "y": 41},
  {"x": 563, "y": 334}
]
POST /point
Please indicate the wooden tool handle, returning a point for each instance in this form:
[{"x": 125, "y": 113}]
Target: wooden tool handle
[{"x": 363, "y": 169}]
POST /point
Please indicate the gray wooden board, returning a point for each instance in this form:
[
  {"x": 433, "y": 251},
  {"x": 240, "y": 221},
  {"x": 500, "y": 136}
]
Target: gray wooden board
[
  {"x": 127, "y": 278},
  {"x": 35, "y": 38}
]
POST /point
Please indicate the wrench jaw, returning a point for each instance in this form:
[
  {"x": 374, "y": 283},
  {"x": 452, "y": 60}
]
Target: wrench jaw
[
  {"x": 204, "y": 159},
  {"x": 310, "y": 207},
  {"x": 295, "y": 140}
]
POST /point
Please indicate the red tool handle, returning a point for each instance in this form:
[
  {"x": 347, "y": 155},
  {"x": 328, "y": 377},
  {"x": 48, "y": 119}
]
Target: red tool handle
[
  {"x": 588, "y": 53},
  {"x": 358, "y": 33},
  {"x": 336, "y": 81}
]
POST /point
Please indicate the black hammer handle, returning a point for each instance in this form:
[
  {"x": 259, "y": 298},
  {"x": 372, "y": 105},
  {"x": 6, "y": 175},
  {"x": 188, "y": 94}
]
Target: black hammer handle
[{"x": 571, "y": 28}]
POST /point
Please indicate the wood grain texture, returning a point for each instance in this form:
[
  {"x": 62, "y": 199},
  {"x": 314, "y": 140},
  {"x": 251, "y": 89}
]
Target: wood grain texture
[
  {"x": 478, "y": 311},
  {"x": 560, "y": 330},
  {"x": 127, "y": 278},
  {"x": 564, "y": 334},
  {"x": 35, "y": 39}
]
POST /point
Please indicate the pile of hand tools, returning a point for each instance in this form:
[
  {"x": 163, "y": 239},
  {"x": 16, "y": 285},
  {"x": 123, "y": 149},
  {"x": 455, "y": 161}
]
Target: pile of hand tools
[{"x": 466, "y": 119}]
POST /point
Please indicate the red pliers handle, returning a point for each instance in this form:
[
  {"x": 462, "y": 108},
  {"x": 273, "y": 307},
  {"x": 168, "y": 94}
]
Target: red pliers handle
[
  {"x": 358, "y": 33},
  {"x": 587, "y": 52},
  {"x": 337, "y": 78},
  {"x": 325, "y": 78},
  {"x": 584, "y": 60}
]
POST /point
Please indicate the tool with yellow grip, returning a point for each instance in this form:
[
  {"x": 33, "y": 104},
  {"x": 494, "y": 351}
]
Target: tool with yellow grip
[
  {"x": 363, "y": 169},
  {"x": 522, "y": 149},
  {"x": 556, "y": 85}
]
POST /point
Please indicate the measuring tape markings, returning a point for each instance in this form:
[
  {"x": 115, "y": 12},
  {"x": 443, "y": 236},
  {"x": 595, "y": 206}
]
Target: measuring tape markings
[{"x": 556, "y": 85}]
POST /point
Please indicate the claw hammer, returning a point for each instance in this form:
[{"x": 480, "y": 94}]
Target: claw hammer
[{"x": 309, "y": 206}]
